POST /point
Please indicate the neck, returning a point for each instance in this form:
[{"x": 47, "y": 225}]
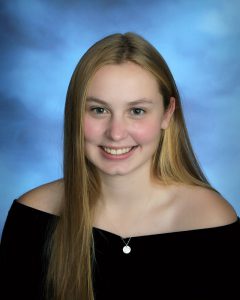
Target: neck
[
  {"x": 127, "y": 201},
  {"x": 126, "y": 192}
]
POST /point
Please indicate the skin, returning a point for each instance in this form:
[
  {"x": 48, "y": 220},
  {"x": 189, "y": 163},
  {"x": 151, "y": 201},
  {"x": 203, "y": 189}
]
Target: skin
[
  {"x": 114, "y": 121},
  {"x": 132, "y": 204}
]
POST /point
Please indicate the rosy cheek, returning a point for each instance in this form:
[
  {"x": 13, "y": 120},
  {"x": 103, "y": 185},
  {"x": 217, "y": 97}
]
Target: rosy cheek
[
  {"x": 147, "y": 132},
  {"x": 91, "y": 129}
]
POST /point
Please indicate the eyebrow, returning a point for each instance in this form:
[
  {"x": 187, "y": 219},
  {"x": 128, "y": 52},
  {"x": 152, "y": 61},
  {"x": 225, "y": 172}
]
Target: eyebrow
[{"x": 135, "y": 102}]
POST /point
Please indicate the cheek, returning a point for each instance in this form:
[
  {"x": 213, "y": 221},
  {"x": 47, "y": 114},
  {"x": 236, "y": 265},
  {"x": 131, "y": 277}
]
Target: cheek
[
  {"x": 91, "y": 129},
  {"x": 147, "y": 132}
]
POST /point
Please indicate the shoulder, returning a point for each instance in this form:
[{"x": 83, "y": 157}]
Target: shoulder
[
  {"x": 47, "y": 197},
  {"x": 199, "y": 207}
]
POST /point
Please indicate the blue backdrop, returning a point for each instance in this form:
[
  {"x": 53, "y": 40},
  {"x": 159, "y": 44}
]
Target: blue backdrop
[{"x": 41, "y": 42}]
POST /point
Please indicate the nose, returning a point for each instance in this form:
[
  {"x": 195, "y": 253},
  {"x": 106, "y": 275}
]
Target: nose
[{"x": 116, "y": 129}]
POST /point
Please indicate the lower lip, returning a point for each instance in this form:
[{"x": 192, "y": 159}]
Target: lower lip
[{"x": 120, "y": 156}]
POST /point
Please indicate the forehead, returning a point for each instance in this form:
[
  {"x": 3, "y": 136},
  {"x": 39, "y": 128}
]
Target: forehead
[{"x": 126, "y": 81}]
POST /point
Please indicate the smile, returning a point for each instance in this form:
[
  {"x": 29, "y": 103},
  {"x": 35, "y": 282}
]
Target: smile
[{"x": 119, "y": 151}]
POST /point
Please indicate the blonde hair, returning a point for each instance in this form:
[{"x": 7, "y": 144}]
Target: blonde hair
[{"x": 72, "y": 256}]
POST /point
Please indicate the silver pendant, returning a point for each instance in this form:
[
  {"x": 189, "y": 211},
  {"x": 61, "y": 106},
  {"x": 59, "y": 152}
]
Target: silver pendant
[{"x": 126, "y": 249}]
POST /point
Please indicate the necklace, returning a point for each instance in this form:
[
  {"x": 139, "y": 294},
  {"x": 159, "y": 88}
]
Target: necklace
[{"x": 126, "y": 249}]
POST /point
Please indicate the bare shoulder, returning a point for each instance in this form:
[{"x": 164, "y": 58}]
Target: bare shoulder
[
  {"x": 201, "y": 207},
  {"x": 47, "y": 197}
]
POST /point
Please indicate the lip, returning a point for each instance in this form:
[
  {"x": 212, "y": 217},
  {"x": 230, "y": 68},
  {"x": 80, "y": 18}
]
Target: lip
[
  {"x": 123, "y": 156},
  {"x": 116, "y": 148}
]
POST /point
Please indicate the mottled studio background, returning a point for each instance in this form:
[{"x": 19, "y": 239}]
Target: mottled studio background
[{"x": 41, "y": 42}]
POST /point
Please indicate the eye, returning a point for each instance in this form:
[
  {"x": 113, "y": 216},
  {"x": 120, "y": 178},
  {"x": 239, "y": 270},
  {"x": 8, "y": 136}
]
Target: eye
[
  {"x": 98, "y": 110},
  {"x": 137, "y": 111}
]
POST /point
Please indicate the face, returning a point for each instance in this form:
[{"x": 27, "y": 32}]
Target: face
[{"x": 123, "y": 119}]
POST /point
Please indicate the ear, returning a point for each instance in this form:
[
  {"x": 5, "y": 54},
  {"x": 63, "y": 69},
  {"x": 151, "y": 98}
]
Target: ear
[{"x": 168, "y": 113}]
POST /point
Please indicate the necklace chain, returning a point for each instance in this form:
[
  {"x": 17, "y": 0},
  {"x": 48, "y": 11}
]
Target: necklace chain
[
  {"x": 127, "y": 241},
  {"x": 127, "y": 249}
]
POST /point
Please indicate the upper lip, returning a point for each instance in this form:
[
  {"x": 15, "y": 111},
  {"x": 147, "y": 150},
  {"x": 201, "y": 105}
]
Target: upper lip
[{"x": 114, "y": 147}]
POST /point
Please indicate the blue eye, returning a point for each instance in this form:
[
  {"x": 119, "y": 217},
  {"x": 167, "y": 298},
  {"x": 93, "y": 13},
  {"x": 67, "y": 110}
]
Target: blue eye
[{"x": 137, "y": 111}]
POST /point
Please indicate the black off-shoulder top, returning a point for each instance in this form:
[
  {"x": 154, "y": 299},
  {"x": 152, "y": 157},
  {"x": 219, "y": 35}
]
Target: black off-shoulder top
[{"x": 194, "y": 264}]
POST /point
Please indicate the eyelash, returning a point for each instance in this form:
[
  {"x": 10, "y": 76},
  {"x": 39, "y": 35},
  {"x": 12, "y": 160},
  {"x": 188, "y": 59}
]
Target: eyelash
[
  {"x": 138, "y": 109},
  {"x": 96, "y": 109}
]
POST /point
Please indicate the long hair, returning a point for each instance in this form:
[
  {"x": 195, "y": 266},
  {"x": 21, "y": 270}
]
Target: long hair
[{"x": 71, "y": 258}]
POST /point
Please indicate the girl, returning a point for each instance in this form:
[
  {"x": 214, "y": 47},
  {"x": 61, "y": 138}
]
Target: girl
[{"x": 134, "y": 216}]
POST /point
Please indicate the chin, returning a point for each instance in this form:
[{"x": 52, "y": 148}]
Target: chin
[{"x": 115, "y": 172}]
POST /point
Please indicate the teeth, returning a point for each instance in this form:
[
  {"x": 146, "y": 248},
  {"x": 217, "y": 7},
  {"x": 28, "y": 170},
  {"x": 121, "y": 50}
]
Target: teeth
[{"x": 117, "y": 151}]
